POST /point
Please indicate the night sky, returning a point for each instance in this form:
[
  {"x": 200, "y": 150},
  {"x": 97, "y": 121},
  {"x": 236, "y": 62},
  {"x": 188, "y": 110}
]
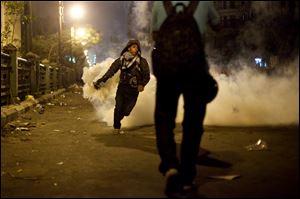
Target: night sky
[{"x": 110, "y": 18}]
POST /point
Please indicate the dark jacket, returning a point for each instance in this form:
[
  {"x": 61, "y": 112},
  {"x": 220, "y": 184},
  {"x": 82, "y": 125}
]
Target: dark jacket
[{"x": 137, "y": 74}]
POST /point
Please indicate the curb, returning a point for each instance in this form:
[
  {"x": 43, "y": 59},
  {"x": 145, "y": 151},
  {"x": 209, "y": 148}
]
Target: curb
[{"x": 11, "y": 112}]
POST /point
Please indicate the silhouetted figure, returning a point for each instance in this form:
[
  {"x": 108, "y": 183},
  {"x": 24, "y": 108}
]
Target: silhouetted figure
[{"x": 180, "y": 67}]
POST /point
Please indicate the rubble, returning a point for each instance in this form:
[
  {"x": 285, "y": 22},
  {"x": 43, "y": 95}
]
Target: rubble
[{"x": 258, "y": 146}]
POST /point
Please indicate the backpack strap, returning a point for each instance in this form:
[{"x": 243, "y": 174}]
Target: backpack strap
[
  {"x": 168, "y": 7},
  {"x": 190, "y": 9}
]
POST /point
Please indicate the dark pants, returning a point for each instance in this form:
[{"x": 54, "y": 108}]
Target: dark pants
[
  {"x": 126, "y": 98},
  {"x": 167, "y": 95}
]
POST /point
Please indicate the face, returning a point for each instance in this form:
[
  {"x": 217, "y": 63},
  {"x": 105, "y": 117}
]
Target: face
[{"x": 133, "y": 49}]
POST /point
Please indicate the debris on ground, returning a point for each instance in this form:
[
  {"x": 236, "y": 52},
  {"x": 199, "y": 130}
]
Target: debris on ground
[
  {"x": 30, "y": 98},
  {"x": 225, "y": 177},
  {"x": 39, "y": 108},
  {"x": 258, "y": 146},
  {"x": 60, "y": 163}
]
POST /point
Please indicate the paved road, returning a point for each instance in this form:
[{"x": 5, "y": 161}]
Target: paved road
[{"x": 67, "y": 152}]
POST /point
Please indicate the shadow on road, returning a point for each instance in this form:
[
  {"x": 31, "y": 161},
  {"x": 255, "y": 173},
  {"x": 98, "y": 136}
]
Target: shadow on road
[
  {"x": 130, "y": 141},
  {"x": 212, "y": 162}
]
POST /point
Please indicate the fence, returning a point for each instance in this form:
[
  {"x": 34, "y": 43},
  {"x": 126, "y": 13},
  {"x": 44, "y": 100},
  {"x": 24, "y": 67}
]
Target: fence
[{"x": 21, "y": 77}]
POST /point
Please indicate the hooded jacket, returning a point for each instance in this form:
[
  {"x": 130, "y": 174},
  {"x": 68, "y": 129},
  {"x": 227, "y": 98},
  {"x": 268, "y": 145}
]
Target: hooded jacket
[
  {"x": 137, "y": 74},
  {"x": 130, "y": 43}
]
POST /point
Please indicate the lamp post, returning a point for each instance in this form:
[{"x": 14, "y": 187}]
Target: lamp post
[
  {"x": 60, "y": 10},
  {"x": 61, "y": 83}
]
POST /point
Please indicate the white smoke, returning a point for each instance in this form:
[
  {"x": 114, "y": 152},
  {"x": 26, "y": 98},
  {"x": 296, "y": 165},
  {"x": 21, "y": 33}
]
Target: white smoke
[
  {"x": 264, "y": 9},
  {"x": 246, "y": 97},
  {"x": 103, "y": 99},
  {"x": 140, "y": 16}
]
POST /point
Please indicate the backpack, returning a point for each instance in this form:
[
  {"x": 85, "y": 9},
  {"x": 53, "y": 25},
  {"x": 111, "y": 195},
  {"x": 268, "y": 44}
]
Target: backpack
[
  {"x": 179, "y": 49},
  {"x": 178, "y": 42}
]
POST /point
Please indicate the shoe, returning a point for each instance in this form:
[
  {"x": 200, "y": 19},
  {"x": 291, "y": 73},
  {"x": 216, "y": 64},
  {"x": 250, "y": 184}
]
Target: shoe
[
  {"x": 189, "y": 188},
  {"x": 173, "y": 185},
  {"x": 116, "y": 131}
]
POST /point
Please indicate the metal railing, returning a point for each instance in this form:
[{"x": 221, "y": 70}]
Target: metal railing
[
  {"x": 21, "y": 77},
  {"x": 5, "y": 78}
]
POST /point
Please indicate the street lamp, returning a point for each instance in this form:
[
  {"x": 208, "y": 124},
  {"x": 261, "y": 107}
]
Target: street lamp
[
  {"x": 60, "y": 11},
  {"x": 61, "y": 19},
  {"x": 76, "y": 12}
]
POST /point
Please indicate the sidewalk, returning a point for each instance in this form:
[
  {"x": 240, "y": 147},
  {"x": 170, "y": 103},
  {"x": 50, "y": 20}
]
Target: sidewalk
[
  {"x": 66, "y": 152},
  {"x": 11, "y": 112}
]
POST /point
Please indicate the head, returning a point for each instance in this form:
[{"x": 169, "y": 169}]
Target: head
[
  {"x": 133, "y": 49},
  {"x": 133, "y": 46}
]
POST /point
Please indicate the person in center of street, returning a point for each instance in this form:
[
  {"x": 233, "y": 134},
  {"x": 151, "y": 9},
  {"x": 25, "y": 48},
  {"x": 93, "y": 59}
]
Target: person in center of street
[
  {"x": 180, "y": 67},
  {"x": 134, "y": 76}
]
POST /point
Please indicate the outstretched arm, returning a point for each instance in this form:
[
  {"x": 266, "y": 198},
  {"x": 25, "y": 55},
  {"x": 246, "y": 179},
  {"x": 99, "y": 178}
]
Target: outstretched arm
[{"x": 115, "y": 66}]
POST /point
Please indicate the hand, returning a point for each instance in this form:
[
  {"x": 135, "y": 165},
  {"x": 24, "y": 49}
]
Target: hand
[
  {"x": 98, "y": 85},
  {"x": 140, "y": 88},
  {"x": 95, "y": 85}
]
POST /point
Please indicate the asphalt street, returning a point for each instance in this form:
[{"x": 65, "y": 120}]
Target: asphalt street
[{"x": 65, "y": 151}]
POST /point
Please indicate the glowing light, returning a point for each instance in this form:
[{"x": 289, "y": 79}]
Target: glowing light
[
  {"x": 80, "y": 32},
  {"x": 257, "y": 60},
  {"x": 261, "y": 62},
  {"x": 76, "y": 12}
]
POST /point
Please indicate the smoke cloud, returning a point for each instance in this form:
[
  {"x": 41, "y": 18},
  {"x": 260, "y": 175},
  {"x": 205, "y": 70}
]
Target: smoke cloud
[
  {"x": 246, "y": 96},
  {"x": 139, "y": 26}
]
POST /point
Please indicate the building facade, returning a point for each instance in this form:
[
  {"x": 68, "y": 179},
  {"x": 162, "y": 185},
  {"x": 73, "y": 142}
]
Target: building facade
[{"x": 251, "y": 26}]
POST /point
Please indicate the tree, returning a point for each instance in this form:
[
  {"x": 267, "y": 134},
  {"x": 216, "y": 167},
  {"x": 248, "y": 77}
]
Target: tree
[
  {"x": 90, "y": 37},
  {"x": 46, "y": 46},
  {"x": 14, "y": 12}
]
